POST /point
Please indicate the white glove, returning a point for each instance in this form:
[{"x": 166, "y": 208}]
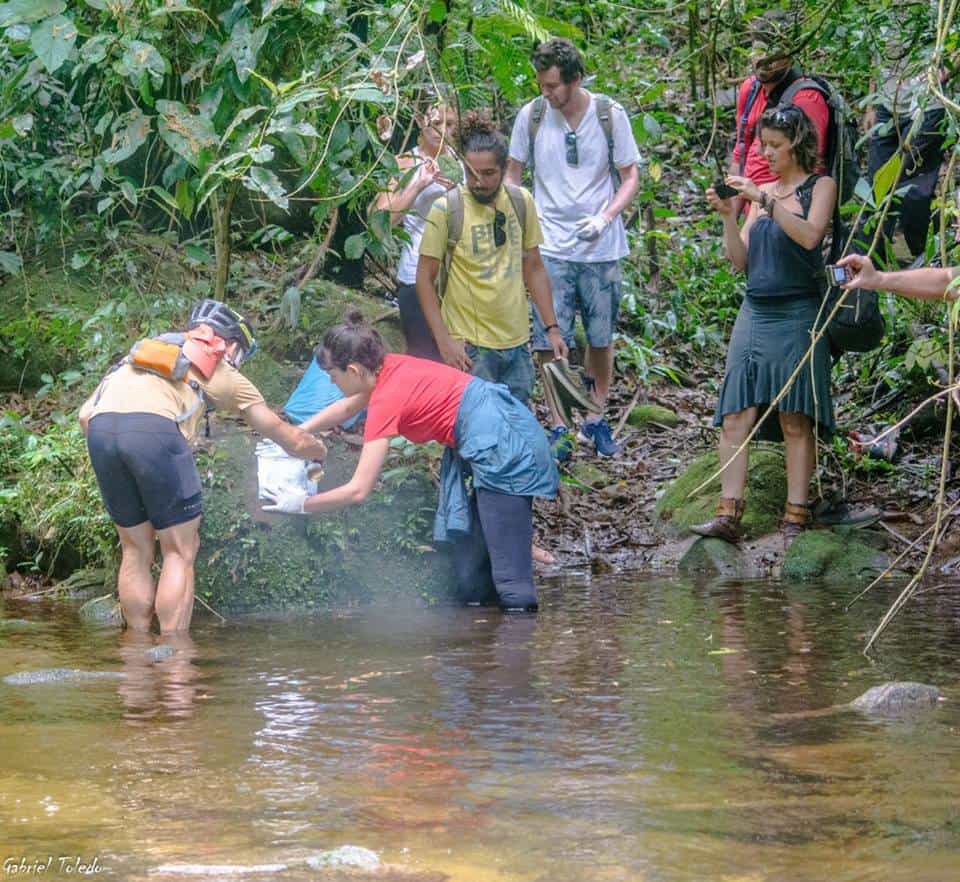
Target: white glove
[
  {"x": 286, "y": 499},
  {"x": 589, "y": 228}
]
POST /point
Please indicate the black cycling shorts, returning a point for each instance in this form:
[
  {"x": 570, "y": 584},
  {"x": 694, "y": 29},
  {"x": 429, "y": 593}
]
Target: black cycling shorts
[{"x": 145, "y": 469}]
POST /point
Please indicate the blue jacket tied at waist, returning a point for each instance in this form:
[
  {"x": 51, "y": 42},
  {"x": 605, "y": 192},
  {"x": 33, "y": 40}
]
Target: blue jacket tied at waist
[{"x": 504, "y": 448}]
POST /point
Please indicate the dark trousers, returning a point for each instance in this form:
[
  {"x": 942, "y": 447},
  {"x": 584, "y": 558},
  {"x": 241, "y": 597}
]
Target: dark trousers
[
  {"x": 921, "y": 170},
  {"x": 416, "y": 331},
  {"x": 494, "y": 563}
]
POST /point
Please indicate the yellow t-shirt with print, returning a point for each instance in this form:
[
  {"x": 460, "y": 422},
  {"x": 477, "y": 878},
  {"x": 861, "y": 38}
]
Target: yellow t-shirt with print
[{"x": 485, "y": 301}]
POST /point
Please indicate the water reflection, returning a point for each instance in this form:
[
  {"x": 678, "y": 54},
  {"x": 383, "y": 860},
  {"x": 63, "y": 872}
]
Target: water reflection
[
  {"x": 637, "y": 729},
  {"x": 160, "y": 677}
]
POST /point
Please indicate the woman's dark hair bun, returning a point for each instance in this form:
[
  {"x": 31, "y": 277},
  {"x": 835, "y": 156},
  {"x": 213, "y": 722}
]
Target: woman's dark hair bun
[{"x": 352, "y": 341}]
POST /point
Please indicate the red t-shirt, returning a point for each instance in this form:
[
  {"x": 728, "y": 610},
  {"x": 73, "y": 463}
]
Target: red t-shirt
[
  {"x": 416, "y": 398},
  {"x": 810, "y": 101}
]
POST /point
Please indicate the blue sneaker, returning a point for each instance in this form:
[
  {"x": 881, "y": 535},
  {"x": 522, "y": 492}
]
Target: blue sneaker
[
  {"x": 561, "y": 443},
  {"x": 599, "y": 433}
]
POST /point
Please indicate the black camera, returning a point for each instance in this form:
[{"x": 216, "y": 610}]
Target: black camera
[
  {"x": 725, "y": 192},
  {"x": 839, "y": 275}
]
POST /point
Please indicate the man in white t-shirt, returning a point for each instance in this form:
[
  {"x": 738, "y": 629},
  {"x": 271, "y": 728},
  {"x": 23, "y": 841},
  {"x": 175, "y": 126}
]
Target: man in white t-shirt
[{"x": 584, "y": 175}]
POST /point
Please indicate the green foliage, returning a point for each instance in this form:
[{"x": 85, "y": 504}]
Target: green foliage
[{"x": 50, "y": 492}]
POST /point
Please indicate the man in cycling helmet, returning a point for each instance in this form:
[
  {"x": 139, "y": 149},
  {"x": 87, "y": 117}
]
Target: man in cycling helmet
[{"x": 139, "y": 423}]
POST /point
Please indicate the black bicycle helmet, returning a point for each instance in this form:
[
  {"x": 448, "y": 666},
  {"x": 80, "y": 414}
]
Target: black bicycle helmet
[{"x": 226, "y": 322}]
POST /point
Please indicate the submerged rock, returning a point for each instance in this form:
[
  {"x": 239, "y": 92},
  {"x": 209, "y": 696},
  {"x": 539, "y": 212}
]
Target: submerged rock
[
  {"x": 837, "y": 555},
  {"x": 102, "y": 611},
  {"x": 218, "y": 870},
  {"x": 19, "y": 625},
  {"x": 765, "y": 494},
  {"x": 714, "y": 557},
  {"x": 159, "y": 653},
  {"x": 58, "y": 675},
  {"x": 897, "y": 699},
  {"x": 347, "y": 856}
]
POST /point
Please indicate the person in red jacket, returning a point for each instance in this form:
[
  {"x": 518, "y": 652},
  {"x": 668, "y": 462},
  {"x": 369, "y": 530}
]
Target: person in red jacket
[{"x": 773, "y": 72}]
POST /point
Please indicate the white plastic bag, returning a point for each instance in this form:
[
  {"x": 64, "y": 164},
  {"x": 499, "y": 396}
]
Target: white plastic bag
[{"x": 276, "y": 468}]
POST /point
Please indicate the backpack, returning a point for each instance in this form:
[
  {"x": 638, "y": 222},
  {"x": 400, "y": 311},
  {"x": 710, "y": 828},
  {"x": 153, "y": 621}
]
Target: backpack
[
  {"x": 602, "y": 104},
  {"x": 455, "y": 226},
  {"x": 164, "y": 357},
  {"x": 859, "y": 325}
]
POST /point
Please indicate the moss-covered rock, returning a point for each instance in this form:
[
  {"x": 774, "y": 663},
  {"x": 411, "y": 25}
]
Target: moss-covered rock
[
  {"x": 250, "y": 560},
  {"x": 714, "y": 557},
  {"x": 765, "y": 494},
  {"x": 837, "y": 555},
  {"x": 644, "y": 414},
  {"x": 324, "y": 304},
  {"x": 588, "y": 473}
]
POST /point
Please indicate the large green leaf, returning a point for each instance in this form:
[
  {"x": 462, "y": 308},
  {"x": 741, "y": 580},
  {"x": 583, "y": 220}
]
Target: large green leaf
[
  {"x": 886, "y": 176},
  {"x": 266, "y": 182},
  {"x": 52, "y": 40},
  {"x": 16, "y": 125},
  {"x": 371, "y": 94},
  {"x": 140, "y": 58},
  {"x": 128, "y": 140},
  {"x": 354, "y": 246},
  {"x": 29, "y": 11},
  {"x": 184, "y": 132},
  {"x": 244, "y": 46},
  {"x": 10, "y": 262},
  {"x": 268, "y": 8},
  {"x": 95, "y": 49}
]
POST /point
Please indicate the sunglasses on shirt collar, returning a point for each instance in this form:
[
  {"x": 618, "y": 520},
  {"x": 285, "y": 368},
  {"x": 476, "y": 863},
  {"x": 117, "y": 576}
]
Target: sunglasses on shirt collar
[
  {"x": 573, "y": 156},
  {"x": 499, "y": 228}
]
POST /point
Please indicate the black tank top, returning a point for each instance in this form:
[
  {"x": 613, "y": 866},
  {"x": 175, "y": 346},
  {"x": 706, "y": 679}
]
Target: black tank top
[{"x": 777, "y": 266}]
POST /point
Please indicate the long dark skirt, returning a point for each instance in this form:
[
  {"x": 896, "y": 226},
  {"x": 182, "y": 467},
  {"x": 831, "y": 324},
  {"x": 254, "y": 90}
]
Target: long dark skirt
[{"x": 769, "y": 339}]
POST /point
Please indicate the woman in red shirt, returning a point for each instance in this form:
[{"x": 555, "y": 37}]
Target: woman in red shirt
[{"x": 488, "y": 433}]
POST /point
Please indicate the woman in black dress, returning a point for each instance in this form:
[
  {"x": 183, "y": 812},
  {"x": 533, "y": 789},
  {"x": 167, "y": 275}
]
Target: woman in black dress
[{"x": 779, "y": 247}]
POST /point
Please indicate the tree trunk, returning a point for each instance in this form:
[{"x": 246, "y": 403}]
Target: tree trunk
[
  {"x": 693, "y": 29},
  {"x": 221, "y": 205}
]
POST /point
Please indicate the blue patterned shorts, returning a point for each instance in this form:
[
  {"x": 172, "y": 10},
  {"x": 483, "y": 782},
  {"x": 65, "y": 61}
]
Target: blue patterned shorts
[{"x": 593, "y": 289}]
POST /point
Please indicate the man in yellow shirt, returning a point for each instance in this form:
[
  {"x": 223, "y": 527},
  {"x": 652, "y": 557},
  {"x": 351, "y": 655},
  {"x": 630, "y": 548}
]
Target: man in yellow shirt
[{"x": 483, "y": 324}]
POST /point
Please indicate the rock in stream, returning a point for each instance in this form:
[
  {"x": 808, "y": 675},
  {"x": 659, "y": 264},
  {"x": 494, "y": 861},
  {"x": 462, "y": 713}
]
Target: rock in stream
[
  {"x": 58, "y": 675},
  {"x": 897, "y": 699}
]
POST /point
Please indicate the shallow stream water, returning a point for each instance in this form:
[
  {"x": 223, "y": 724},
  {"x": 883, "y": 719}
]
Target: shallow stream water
[{"x": 636, "y": 730}]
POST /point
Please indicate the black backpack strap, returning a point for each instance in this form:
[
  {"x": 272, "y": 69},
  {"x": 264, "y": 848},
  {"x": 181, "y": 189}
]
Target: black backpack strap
[
  {"x": 798, "y": 85},
  {"x": 742, "y": 128},
  {"x": 805, "y": 193}
]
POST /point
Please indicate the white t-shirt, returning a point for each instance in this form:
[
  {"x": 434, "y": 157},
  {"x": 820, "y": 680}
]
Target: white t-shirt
[
  {"x": 564, "y": 193},
  {"x": 414, "y": 221}
]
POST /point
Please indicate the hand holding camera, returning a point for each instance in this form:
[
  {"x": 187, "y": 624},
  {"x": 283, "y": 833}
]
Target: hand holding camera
[{"x": 838, "y": 274}]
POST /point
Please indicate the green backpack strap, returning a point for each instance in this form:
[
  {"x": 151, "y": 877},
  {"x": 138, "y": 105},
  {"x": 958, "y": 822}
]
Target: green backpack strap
[
  {"x": 603, "y": 105},
  {"x": 519, "y": 207},
  {"x": 537, "y": 108},
  {"x": 454, "y": 210}
]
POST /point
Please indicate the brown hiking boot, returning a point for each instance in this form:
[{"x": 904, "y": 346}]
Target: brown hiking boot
[
  {"x": 796, "y": 519},
  {"x": 726, "y": 524}
]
